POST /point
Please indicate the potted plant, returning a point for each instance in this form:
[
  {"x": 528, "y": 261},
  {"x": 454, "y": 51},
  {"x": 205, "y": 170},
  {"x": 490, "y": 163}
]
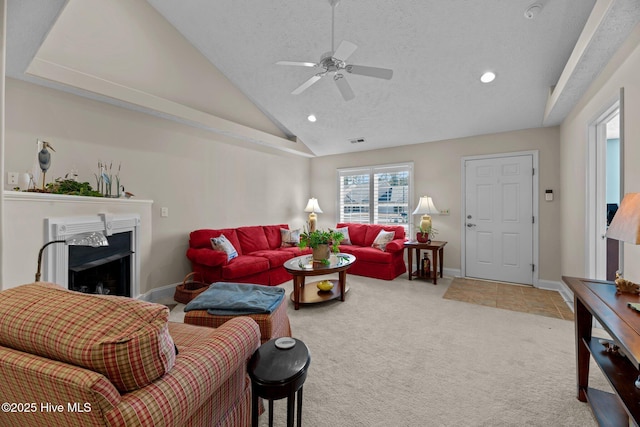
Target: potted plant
[
  {"x": 422, "y": 236},
  {"x": 322, "y": 243}
]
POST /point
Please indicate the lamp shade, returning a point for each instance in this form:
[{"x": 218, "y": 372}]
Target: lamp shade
[
  {"x": 625, "y": 225},
  {"x": 313, "y": 206},
  {"x": 426, "y": 207}
]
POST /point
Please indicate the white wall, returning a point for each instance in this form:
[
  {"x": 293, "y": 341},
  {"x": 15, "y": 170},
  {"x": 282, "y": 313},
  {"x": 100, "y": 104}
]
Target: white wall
[
  {"x": 3, "y": 10},
  {"x": 206, "y": 181},
  {"x": 623, "y": 71},
  {"x": 437, "y": 173}
]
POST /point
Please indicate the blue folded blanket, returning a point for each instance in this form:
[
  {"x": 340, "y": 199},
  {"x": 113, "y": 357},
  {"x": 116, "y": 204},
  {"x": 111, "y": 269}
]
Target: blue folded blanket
[{"x": 237, "y": 299}]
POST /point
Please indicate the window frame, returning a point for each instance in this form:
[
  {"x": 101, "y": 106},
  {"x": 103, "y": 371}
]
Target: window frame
[{"x": 372, "y": 171}]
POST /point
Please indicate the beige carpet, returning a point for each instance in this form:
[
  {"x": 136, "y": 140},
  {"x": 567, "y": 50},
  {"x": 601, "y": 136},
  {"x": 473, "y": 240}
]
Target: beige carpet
[
  {"x": 398, "y": 354},
  {"x": 507, "y": 296}
]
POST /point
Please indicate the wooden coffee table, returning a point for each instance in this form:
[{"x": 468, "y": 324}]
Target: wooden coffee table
[{"x": 303, "y": 266}]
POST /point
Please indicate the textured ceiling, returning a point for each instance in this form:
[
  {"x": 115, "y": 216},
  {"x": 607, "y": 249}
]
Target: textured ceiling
[{"x": 437, "y": 50}]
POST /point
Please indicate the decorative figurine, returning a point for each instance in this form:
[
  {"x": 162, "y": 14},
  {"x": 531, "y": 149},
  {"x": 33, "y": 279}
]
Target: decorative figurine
[
  {"x": 44, "y": 158},
  {"x": 624, "y": 286}
]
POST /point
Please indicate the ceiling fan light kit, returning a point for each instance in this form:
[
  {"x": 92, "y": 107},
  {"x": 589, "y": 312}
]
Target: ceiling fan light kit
[{"x": 333, "y": 63}]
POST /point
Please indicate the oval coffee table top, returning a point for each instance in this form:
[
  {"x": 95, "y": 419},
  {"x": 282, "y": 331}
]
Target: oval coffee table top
[{"x": 305, "y": 264}]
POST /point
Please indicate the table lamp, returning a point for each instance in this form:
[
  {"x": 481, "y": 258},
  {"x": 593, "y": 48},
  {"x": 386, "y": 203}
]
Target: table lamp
[
  {"x": 313, "y": 207},
  {"x": 426, "y": 208},
  {"x": 94, "y": 239},
  {"x": 625, "y": 227}
]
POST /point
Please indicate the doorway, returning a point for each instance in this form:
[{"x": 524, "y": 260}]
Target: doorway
[
  {"x": 499, "y": 217},
  {"x": 605, "y": 191}
]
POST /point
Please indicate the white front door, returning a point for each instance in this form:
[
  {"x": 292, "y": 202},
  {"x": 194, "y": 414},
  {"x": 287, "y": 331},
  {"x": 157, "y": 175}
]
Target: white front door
[{"x": 498, "y": 226}]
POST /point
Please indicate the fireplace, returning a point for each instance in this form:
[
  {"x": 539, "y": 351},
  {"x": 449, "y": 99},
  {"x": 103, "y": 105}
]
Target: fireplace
[
  {"x": 102, "y": 270},
  {"x": 113, "y": 269}
]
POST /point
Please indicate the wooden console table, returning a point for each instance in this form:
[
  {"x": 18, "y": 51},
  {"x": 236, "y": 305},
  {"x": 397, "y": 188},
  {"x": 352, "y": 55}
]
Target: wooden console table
[
  {"x": 598, "y": 299},
  {"x": 437, "y": 259}
]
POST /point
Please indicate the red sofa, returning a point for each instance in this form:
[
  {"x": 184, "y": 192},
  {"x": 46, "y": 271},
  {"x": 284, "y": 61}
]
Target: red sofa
[
  {"x": 372, "y": 262},
  {"x": 261, "y": 255}
]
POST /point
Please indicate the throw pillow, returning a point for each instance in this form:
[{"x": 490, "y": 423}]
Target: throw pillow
[
  {"x": 346, "y": 240},
  {"x": 221, "y": 243},
  {"x": 290, "y": 238},
  {"x": 382, "y": 239}
]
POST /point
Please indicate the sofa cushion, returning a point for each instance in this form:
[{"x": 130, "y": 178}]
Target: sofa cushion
[
  {"x": 276, "y": 258},
  {"x": 252, "y": 239},
  {"x": 273, "y": 234},
  {"x": 125, "y": 339},
  {"x": 374, "y": 229},
  {"x": 224, "y": 245},
  {"x": 296, "y": 251},
  {"x": 244, "y": 265},
  {"x": 202, "y": 238},
  {"x": 348, "y": 249},
  {"x": 357, "y": 233},
  {"x": 207, "y": 257},
  {"x": 370, "y": 254}
]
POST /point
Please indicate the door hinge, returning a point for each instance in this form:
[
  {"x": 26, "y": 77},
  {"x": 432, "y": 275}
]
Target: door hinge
[
  {"x": 533, "y": 220},
  {"x": 533, "y": 268},
  {"x": 533, "y": 171}
]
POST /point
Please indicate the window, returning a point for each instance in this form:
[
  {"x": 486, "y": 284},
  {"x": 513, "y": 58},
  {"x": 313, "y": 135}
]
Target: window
[{"x": 376, "y": 194}]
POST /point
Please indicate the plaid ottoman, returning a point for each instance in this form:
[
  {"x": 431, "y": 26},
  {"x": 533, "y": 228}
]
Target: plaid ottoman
[{"x": 273, "y": 325}]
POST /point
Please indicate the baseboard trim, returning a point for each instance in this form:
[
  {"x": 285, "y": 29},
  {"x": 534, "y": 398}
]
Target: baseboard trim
[
  {"x": 559, "y": 287},
  {"x": 451, "y": 272},
  {"x": 159, "y": 294}
]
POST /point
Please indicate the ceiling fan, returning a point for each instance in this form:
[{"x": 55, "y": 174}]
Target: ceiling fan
[{"x": 333, "y": 64}]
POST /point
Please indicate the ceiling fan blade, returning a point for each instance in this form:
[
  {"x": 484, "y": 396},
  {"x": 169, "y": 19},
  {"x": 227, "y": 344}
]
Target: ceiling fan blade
[
  {"x": 306, "y": 84},
  {"x": 344, "y": 50},
  {"x": 344, "y": 87},
  {"x": 299, "y": 64},
  {"x": 380, "y": 73}
]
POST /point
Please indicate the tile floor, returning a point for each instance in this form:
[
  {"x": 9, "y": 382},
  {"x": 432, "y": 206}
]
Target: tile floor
[{"x": 510, "y": 297}]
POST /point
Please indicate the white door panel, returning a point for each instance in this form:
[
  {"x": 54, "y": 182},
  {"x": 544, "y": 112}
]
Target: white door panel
[{"x": 499, "y": 218}]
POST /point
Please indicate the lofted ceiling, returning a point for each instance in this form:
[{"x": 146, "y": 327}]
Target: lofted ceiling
[{"x": 437, "y": 50}]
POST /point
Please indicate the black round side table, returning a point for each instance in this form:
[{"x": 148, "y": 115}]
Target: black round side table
[{"x": 277, "y": 373}]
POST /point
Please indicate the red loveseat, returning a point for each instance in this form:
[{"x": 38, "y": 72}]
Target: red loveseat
[
  {"x": 260, "y": 255},
  {"x": 370, "y": 261}
]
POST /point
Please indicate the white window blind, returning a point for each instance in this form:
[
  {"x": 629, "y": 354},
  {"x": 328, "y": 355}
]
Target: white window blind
[{"x": 376, "y": 194}]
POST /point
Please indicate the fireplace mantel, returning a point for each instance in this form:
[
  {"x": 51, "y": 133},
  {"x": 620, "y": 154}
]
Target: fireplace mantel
[
  {"x": 30, "y": 230},
  {"x": 63, "y": 198}
]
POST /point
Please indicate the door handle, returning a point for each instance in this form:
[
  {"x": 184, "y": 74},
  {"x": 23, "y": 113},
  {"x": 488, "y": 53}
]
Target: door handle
[{"x": 469, "y": 225}]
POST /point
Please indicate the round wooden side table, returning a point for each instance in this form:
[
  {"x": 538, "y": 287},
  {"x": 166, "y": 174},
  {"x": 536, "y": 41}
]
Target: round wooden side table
[{"x": 277, "y": 373}]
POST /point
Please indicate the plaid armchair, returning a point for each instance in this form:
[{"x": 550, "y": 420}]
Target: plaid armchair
[{"x": 73, "y": 359}]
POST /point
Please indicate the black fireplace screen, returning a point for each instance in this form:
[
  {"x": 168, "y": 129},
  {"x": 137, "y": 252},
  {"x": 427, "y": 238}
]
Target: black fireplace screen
[{"x": 102, "y": 270}]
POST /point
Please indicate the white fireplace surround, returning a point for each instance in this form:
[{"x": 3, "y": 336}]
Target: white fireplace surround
[{"x": 56, "y": 261}]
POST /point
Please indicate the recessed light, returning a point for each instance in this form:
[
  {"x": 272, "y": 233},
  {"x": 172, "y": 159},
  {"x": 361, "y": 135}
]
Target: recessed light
[
  {"x": 311, "y": 118},
  {"x": 488, "y": 77}
]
